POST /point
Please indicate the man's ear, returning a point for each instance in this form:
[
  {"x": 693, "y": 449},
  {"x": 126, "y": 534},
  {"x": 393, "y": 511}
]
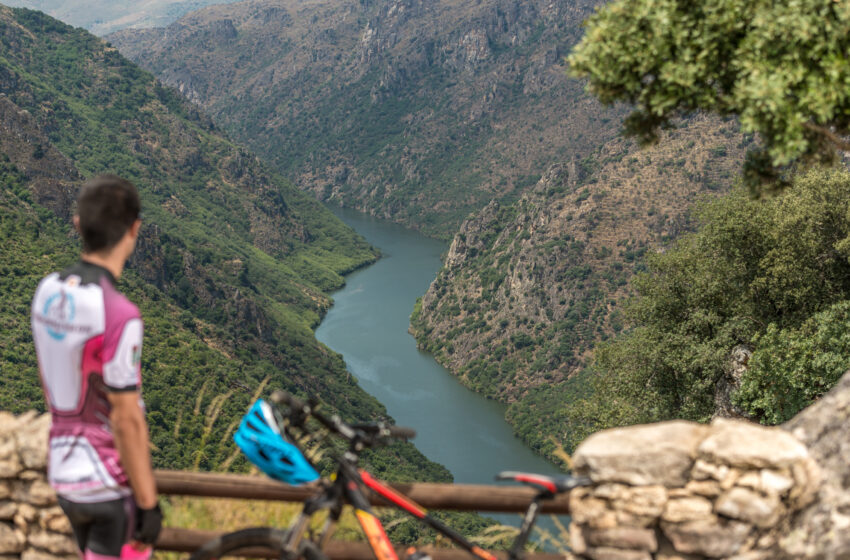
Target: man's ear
[{"x": 134, "y": 229}]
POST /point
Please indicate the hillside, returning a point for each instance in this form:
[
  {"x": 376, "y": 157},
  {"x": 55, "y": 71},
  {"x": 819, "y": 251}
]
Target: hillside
[
  {"x": 415, "y": 111},
  {"x": 105, "y": 16},
  {"x": 234, "y": 263},
  {"x": 528, "y": 289}
]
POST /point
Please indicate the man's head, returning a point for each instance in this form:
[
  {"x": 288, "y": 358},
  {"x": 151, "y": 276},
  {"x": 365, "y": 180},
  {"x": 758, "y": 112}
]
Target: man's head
[{"x": 108, "y": 210}]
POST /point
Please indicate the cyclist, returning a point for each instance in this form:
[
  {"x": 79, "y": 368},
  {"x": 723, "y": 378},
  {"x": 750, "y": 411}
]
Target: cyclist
[{"x": 88, "y": 338}]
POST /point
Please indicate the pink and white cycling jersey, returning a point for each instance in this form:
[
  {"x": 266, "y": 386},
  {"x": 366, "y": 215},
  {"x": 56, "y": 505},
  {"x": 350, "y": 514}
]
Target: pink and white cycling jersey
[{"x": 88, "y": 338}]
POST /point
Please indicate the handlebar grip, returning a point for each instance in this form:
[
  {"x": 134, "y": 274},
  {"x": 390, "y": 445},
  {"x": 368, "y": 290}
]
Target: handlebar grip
[{"x": 400, "y": 432}]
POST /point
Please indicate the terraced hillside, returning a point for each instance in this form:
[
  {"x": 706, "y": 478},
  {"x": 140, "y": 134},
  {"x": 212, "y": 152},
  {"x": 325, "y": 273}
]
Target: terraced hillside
[
  {"x": 529, "y": 288},
  {"x": 418, "y": 111}
]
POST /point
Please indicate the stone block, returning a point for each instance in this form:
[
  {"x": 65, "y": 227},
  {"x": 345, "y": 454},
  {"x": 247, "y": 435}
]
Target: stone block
[
  {"x": 775, "y": 482},
  {"x": 53, "y": 542},
  {"x": 584, "y": 507},
  {"x": 647, "y": 501},
  {"x": 12, "y": 540},
  {"x": 626, "y": 519},
  {"x": 577, "y": 542},
  {"x": 631, "y": 538},
  {"x": 8, "y": 510},
  {"x": 32, "y": 442},
  {"x": 704, "y": 470},
  {"x": 758, "y": 509},
  {"x": 610, "y": 490},
  {"x": 706, "y": 488},
  {"x": 807, "y": 478},
  {"x": 744, "y": 444},
  {"x": 54, "y": 519},
  {"x": 5, "y": 489},
  {"x": 661, "y": 453},
  {"x": 10, "y": 462},
  {"x": 609, "y": 553},
  {"x": 36, "y": 492},
  {"x": 713, "y": 537},
  {"x": 687, "y": 509},
  {"x": 27, "y": 512},
  {"x": 31, "y": 475}
]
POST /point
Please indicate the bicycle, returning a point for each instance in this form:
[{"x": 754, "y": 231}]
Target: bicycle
[{"x": 346, "y": 487}]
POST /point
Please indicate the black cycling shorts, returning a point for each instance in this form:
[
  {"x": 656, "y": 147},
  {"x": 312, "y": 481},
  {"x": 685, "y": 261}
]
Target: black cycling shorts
[{"x": 101, "y": 528}]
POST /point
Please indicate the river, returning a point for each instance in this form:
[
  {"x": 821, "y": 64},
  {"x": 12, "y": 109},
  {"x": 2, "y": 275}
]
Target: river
[{"x": 368, "y": 325}]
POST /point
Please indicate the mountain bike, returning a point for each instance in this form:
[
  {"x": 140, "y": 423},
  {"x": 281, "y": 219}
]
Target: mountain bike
[{"x": 346, "y": 487}]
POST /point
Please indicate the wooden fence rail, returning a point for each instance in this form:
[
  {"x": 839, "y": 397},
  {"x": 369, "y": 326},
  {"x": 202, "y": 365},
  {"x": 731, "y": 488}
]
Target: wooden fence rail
[{"x": 461, "y": 497}]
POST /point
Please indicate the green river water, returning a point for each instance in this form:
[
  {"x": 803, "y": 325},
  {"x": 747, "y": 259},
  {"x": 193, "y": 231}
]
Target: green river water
[{"x": 368, "y": 325}]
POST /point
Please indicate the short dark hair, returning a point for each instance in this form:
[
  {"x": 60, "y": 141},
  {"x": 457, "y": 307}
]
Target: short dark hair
[{"x": 107, "y": 206}]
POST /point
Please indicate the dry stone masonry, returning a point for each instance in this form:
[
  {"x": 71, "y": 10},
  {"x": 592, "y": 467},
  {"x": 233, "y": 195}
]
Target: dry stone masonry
[
  {"x": 680, "y": 490},
  {"x": 32, "y": 527}
]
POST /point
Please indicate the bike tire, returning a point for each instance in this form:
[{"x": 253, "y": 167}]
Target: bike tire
[{"x": 251, "y": 540}]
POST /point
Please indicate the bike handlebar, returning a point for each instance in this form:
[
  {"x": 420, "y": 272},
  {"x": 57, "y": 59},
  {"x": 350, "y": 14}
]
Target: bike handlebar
[{"x": 367, "y": 433}]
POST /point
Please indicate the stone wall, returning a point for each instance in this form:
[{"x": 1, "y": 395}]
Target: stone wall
[
  {"x": 685, "y": 490},
  {"x": 32, "y": 527}
]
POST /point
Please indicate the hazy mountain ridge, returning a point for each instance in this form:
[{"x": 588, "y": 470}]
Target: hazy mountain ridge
[
  {"x": 414, "y": 111},
  {"x": 105, "y": 16},
  {"x": 233, "y": 266},
  {"x": 528, "y": 289}
]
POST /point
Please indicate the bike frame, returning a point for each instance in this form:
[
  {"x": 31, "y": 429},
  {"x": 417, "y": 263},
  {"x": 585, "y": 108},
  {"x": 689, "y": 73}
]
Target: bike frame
[{"x": 347, "y": 488}]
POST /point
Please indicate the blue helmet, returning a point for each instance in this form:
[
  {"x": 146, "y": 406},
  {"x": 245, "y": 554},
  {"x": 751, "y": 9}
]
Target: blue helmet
[{"x": 260, "y": 440}]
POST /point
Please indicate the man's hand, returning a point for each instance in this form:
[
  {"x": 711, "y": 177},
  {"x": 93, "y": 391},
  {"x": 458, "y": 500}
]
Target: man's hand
[{"x": 148, "y": 525}]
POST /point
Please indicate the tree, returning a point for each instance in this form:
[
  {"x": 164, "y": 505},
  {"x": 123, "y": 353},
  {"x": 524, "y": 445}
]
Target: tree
[
  {"x": 756, "y": 272},
  {"x": 781, "y": 67}
]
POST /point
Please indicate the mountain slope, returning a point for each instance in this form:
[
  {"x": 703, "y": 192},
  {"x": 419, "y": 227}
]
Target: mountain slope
[
  {"x": 528, "y": 289},
  {"x": 412, "y": 110},
  {"x": 105, "y": 16},
  {"x": 234, "y": 263}
]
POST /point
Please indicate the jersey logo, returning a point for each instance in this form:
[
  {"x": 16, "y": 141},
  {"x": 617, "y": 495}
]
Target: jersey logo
[{"x": 59, "y": 311}]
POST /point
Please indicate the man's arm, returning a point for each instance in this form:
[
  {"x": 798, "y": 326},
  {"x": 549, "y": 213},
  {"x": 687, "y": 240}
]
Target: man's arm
[{"x": 131, "y": 438}]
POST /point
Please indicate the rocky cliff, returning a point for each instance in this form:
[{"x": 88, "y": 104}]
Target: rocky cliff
[
  {"x": 527, "y": 289},
  {"x": 416, "y": 111}
]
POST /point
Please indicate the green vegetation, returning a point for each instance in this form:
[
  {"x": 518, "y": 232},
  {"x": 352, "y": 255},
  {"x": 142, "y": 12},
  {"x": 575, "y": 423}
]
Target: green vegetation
[
  {"x": 233, "y": 268},
  {"x": 794, "y": 366},
  {"x": 772, "y": 274},
  {"x": 780, "y": 67}
]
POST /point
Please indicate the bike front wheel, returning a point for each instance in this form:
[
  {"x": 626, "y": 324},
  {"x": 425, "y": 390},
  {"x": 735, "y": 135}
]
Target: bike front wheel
[{"x": 256, "y": 542}]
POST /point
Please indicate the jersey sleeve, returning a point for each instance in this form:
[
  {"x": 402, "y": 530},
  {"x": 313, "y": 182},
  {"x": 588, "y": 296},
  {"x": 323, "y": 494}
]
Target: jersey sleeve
[{"x": 123, "y": 371}]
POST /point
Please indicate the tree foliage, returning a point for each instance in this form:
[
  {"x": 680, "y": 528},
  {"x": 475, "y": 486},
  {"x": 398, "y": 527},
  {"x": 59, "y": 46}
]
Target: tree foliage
[
  {"x": 781, "y": 67},
  {"x": 753, "y": 267},
  {"x": 792, "y": 367}
]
